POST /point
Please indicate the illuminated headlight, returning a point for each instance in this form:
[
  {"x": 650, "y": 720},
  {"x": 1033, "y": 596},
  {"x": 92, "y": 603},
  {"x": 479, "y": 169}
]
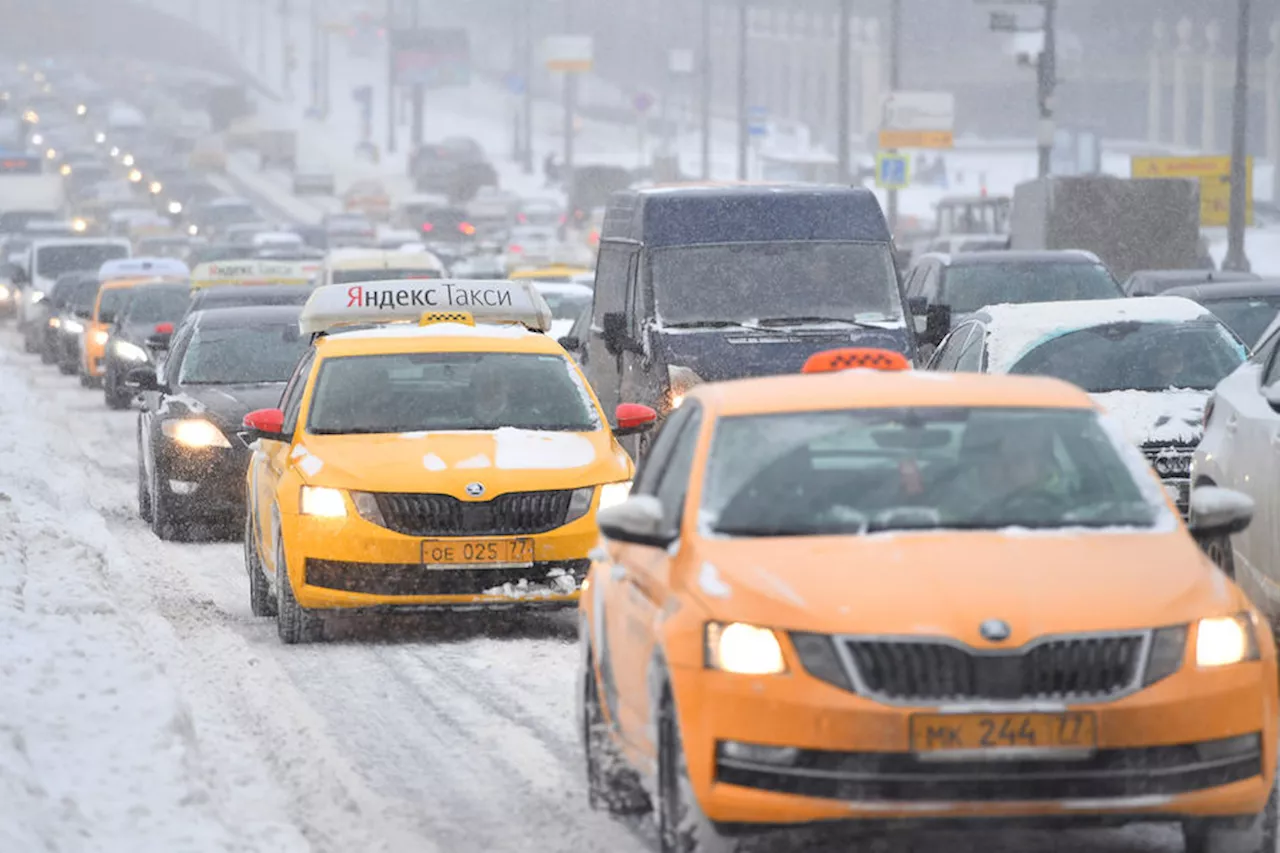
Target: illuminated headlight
[
  {"x": 99, "y": 137},
  {"x": 194, "y": 432},
  {"x": 54, "y": 323},
  {"x": 73, "y": 327},
  {"x": 101, "y": 337},
  {"x": 135, "y": 176},
  {"x": 37, "y": 139},
  {"x": 156, "y": 187},
  {"x": 612, "y": 494},
  {"x": 743, "y": 649},
  {"x": 1226, "y": 640},
  {"x": 175, "y": 207},
  {"x": 322, "y": 502},
  {"x": 115, "y": 151},
  {"x": 682, "y": 380},
  {"x": 79, "y": 225},
  {"x": 51, "y": 153},
  {"x": 82, "y": 110},
  {"x": 65, "y": 170},
  {"x": 130, "y": 352},
  {"x": 128, "y": 160},
  {"x": 193, "y": 230},
  {"x": 5, "y": 293}
]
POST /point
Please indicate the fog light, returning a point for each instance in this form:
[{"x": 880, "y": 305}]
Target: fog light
[
  {"x": 182, "y": 487},
  {"x": 755, "y": 753}
]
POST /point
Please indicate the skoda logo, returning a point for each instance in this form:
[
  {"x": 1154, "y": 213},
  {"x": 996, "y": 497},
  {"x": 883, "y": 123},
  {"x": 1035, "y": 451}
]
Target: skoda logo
[
  {"x": 475, "y": 490},
  {"x": 995, "y": 630}
]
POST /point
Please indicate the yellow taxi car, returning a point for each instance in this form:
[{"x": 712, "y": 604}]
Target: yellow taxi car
[
  {"x": 556, "y": 273},
  {"x": 434, "y": 449},
  {"x": 875, "y": 598},
  {"x": 118, "y": 278},
  {"x": 352, "y": 266}
]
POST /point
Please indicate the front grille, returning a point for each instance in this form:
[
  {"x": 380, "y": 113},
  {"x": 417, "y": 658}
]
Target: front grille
[
  {"x": 511, "y": 514},
  {"x": 901, "y": 777},
  {"x": 1082, "y": 667},
  {"x": 1172, "y": 463},
  {"x": 416, "y": 579}
]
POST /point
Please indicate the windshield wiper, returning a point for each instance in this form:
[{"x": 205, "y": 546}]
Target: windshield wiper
[
  {"x": 766, "y": 531},
  {"x": 812, "y": 319},
  {"x": 705, "y": 324}
]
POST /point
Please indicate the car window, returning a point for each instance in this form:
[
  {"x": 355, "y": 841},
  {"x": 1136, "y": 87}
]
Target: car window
[
  {"x": 1272, "y": 373},
  {"x": 611, "y": 278},
  {"x": 948, "y": 355},
  {"x": 664, "y": 442},
  {"x": 673, "y": 481},
  {"x": 970, "y": 358},
  {"x": 255, "y": 353},
  {"x": 291, "y": 400},
  {"x": 971, "y": 288}
]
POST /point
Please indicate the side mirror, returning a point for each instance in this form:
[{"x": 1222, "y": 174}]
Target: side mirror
[
  {"x": 107, "y": 318},
  {"x": 1272, "y": 396},
  {"x": 918, "y": 305},
  {"x": 570, "y": 342},
  {"x": 638, "y": 520},
  {"x": 633, "y": 419},
  {"x": 83, "y": 313},
  {"x": 615, "y": 332},
  {"x": 266, "y": 423},
  {"x": 142, "y": 379},
  {"x": 937, "y": 323},
  {"x": 1219, "y": 512},
  {"x": 158, "y": 341}
]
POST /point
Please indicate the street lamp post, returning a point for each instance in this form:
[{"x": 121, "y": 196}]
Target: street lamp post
[
  {"x": 744, "y": 127},
  {"x": 1046, "y": 66},
  {"x": 845, "y": 98},
  {"x": 1236, "y": 258}
]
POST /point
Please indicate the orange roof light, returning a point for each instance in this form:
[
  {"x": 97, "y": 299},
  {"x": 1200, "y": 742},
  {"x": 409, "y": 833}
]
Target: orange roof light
[{"x": 850, "y": 358}]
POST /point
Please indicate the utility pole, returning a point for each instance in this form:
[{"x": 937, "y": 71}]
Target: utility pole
[
  {"x": 263, "y": 8},
  {"x": 417, "y": 126},
  {"x": 844, "y": 87},
  {"x": 706, "y": 89},
  {"x": 391, "y": 77},
  {"x": 1236, "y": 259},
  {"x": 744, "y": 125},
  {"x": 527, "y": 62},
  {"x": 287, "y": 51},
  {"x": 1047, "y": 78},
  {"x": 895, "y": 83},
  {"x": 570, "y": 100}
]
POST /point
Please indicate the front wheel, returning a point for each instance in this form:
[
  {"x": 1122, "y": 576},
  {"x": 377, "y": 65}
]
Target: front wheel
[
  {"x": 682, "y": 826},
  {"x": 144, "y": 490},
  {"x": 611, "y": 784},
  {"x": 1256, "y": 835},
  {"x": 165, "y": 521},
  {"x": 112, "y": 394}
]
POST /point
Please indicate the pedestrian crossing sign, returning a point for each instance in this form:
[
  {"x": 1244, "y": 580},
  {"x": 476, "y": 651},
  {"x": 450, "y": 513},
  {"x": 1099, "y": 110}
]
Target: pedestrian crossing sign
[{"x": 893, "y": 171}]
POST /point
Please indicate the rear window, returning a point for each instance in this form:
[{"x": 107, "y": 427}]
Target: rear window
[
  {"x": 243, "y": 355},
  {"x": 970, "y": 288},
  {"x": 159, "y": 304},
  {"x": 53, "y": 261}
]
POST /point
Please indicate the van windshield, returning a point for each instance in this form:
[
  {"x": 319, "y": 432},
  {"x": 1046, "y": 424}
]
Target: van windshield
[{"x": 776, "y": 282}]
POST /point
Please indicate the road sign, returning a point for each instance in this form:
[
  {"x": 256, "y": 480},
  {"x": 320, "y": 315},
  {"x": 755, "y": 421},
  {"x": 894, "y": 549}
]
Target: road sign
[
  {"x": 917, "y": 120},
  {"x": 890, "y": 139},
  {"x": 642, "y": 102},
  {"x": 568, "y": 53},
  {"x": 758, "y": 121},
  {"x": 434, "y": 58},
  {"x": 1214, "y": 175},
  {"x": 893, "y": 171}
]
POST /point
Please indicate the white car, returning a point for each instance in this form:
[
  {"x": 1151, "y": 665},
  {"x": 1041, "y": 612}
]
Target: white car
[
  {"x": 1241, "y": 450},
  {"x": 1151, "y": 363}
]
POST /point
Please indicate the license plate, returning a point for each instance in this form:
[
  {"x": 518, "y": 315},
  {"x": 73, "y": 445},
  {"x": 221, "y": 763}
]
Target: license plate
[
  {"x": 942, "y": 736},
  {"x": 477, "y": 553}
]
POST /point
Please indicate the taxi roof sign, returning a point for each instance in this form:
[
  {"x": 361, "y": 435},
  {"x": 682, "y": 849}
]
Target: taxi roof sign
[
  {"x": 407, "y": 300},
  {"x": 253, "y": 271},
  {"x": 143, "y": 267},
  {"x": 851, "y": 358}
]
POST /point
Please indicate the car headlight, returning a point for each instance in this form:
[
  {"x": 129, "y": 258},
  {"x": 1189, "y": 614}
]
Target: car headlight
[
  {"x": 128, "y": 160},
  {"x": 101, "y": 337},
  {"x": 743, "y": 649},
  {"x": 73, "y": 327},
  {"x": 175, "y": 207},
  {"x": 99, "y": 137},
  {"x": 682, "y": 380},
  {"x": 193, "y": 230},
  {"x": 322, "y": 502},
  {"x": 130, "y": 352},
  {"x": 5, "y": 293},
  {"x": 367, "y": 508},
  {"x": 37, "y": 139},
  {"x": 155, "y": 187},
  {"x": 612, "y": 494},
  {"x": 79, "y": 225},
  {"x": 1225, "y": 640},
  {"x": 55, "y": 323},
  {"x": 194, "y": 432}
]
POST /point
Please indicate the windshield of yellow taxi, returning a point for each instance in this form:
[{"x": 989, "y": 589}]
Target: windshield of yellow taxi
[
  {"x": 850, "y": 472},
  {"x": 414, "y": 392}
]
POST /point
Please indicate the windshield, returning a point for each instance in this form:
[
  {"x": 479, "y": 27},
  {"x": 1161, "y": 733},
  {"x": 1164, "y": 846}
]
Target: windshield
[
  {"x": 243, "y": 355},
  {"x": 113, "y": 301},
  {"x": 1248, "y": 316},
  {"x": 852, "y": 472},
  {"x": 53, "y": 261},
  {"x": 227, "y": 214},
  {"x": 159, "y": 303},
  {"x": 778, "y": 282},
  {"x": 86, "y": 294},
  {"x": 969, "y": 288},
  {"x": 1137, "y": 356},
  {"x": 353, "y": 276},
  {"x": 412, "y": 392}
]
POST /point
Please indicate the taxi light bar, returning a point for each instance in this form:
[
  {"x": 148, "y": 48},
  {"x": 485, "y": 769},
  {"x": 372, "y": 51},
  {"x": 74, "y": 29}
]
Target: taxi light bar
[
  {"x": 433, "y": 317},
  {"x": 139, "y": 267},
  {"x": 408, "y": 300},
  {"x": 253, "y": 271},
  {"x": 850, "y": 358}
]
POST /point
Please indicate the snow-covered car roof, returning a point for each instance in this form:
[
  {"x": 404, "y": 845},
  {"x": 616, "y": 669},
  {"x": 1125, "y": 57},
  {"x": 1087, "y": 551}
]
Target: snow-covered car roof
[{"x": 1014, "y": 330}]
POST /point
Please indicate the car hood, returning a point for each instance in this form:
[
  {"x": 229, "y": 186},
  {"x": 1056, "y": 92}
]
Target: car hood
[
  {"x": 1157, "y": 417},
  {"x": 736, "y": 353},
  {"x": 948, "y": 583},
  {"x": 225, "y": 405},
  {"x": 503, "y": 460}
]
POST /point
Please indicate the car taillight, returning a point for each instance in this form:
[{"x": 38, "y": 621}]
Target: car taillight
[
  {"x": 467, "y": 228},
  {"x": 522, "y": 219},
  {"x": 515, "y": 250},
  {"x": 428, "y": 227},
  {"x": 594, "y": 237}
]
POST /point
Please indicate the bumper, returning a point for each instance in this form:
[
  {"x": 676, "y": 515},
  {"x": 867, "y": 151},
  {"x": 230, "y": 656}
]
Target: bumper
[
  {"x": 350, "y": 563},
  {"x": 204, "y": 483},
  {"x": 1199, "y": 744}
]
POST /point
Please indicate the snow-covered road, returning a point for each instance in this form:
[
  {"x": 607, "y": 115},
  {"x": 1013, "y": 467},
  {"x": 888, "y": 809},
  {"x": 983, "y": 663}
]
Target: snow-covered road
[{"x": 145, "y": 709}]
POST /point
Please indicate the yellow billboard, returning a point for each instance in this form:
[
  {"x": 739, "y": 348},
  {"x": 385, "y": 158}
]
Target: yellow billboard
[{"x": 1214, "y": 174}]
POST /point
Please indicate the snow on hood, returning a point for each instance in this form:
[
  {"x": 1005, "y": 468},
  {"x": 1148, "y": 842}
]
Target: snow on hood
[
  {"x": 524, "y": 449},
  {"x": 1160, "y": 417},
  {"x": 1015, "y": 330}
]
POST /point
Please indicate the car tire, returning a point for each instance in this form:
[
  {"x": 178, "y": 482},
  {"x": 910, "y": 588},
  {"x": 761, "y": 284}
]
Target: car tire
[
  {"x": 165, "y": 522},
  {"x": 47, "y": 355},
  {"x": 144, "y": 488},
  {"x": 612, "y": 786},
  {"x": 294, "y": 623},
  {"x": 1218, "y": 549},
  {"x": 682, "y": 826},
  {"x": 1258, "y": 836},
  {"x": 67, "y": 368},
  {"x": 112, "y": 394},
  {"x": 28, "y": 343},
  {"x": 261, "y": 602}
]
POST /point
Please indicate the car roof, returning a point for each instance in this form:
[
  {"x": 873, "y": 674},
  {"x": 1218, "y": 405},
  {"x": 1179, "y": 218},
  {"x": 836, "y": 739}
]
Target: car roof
[
  {"x": 1002, "y": 256},
  {"x": 871, "y": 389},
  {"x": 243, "y": 315},
  {"x": 386, "y": 338},
  {"x": 238, "y": 292},
  {"x": 1226, "y": 290},
  {"x": 1190, "y": 276}
]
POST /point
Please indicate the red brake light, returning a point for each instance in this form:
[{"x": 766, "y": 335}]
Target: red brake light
[
  {"x": 467, "y": 228},
  {"x": 428, "y": 227},
  {"x": 522, "y": 219},
  {"x": 164, "y": 328},
  {"x": 514, "y": 249}
]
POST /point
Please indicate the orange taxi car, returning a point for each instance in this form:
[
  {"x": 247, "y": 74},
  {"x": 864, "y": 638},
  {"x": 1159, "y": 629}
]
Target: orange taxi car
[
  {"x": 871, "y": 598},
  {"x": 118, "y": 278}
]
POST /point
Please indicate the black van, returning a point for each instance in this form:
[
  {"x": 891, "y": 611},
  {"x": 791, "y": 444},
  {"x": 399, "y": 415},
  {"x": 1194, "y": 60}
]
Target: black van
[{"x": 706, "y": 283}]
